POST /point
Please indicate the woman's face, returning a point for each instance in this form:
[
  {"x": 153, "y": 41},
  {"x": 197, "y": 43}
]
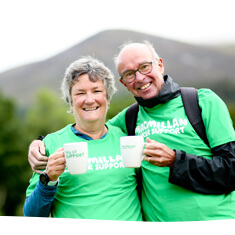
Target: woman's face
[{"x": 89, "y": 101}]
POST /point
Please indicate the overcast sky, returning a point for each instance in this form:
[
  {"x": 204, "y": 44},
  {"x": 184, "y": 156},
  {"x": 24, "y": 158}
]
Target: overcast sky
[{"x": 33, "y": 30}]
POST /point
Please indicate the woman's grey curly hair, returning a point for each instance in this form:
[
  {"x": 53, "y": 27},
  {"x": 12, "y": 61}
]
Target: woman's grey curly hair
[{"x": 95, "y": 69}]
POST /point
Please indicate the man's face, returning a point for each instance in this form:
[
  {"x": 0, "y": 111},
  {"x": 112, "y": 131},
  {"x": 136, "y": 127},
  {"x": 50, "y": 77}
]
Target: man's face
[{"x": 145, "y": 86}]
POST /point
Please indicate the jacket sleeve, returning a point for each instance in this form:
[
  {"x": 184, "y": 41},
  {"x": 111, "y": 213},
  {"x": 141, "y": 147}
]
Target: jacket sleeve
[
  {"x": 206, "y": 176},
  {"x": 39, "y": 203}
]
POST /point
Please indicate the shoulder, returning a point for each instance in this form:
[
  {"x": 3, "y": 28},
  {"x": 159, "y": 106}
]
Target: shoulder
[
  {"x": 207, "y": 93},
  {"x": 211, "y": 103},
  {"x": 116, "y": 131},
  {"x": 57, "y": 139},
  {"x": 208, "y": 96},
  {"x": 118, "y": 120},
  {"x": 59, "y": 133}
]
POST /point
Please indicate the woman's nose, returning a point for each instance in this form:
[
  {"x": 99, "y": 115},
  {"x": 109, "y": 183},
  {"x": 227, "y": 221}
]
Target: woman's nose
[{"x": 89, "y": 99}]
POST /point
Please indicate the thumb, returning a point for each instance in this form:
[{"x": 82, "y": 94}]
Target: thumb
[
  {"x": 60, "y": 150},
  {"x": 149, "y": 140}
]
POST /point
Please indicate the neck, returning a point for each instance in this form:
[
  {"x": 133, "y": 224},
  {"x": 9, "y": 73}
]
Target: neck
[
  {"x": 169, "y": 91},
  {"x": 95, "y": 132}
]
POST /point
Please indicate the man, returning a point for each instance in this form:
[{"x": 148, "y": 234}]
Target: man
[{"x": 183, "y": 179}]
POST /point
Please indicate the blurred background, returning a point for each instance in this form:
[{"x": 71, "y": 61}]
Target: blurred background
[{"x": 39, "y": 39}]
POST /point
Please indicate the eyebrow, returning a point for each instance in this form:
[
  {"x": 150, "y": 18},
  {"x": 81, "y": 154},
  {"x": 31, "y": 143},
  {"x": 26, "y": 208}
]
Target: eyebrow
[{"x": 94, "y": 88}]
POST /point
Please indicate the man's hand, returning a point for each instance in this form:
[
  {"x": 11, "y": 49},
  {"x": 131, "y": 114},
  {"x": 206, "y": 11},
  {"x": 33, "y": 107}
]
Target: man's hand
[
  {"x": 158, "y": 154},
  {"x": 36, "y": 156},
  {"x": 56, "y": 164}
]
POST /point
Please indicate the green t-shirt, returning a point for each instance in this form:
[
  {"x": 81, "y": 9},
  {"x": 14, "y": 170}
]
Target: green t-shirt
[
  {"x": 106, "y": 191},
  {"x": 167, "y": 123}
]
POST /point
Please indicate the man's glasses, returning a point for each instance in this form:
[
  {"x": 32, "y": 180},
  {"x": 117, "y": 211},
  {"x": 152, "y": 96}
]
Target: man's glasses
[{"x": 145, "y": 68}]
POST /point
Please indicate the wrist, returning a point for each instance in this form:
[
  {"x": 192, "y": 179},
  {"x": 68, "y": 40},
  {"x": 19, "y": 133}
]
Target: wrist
[
  {"x": 179, "y": 155},
  {"x": 45, "y": 180}
]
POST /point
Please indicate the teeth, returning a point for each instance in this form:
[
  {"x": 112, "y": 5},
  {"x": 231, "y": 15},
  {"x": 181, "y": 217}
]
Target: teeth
[
  {"x": 145, "y": 86},
  {"x": 90, "y": 109}
]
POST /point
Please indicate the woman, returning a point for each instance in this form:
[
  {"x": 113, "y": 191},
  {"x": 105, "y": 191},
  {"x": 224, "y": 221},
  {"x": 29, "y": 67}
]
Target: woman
[{"x": 107, "y": 190}]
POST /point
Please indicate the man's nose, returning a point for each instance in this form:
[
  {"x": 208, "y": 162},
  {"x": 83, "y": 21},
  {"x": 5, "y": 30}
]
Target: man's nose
[{"x": 139, "y": 76}]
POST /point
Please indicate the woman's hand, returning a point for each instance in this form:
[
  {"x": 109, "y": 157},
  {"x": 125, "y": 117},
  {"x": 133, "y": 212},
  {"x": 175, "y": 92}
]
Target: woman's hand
[{"x": 56, "y": 164}]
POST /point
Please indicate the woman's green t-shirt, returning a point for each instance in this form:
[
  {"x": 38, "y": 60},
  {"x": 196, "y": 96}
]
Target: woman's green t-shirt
[{"x": 106, "y": 191}]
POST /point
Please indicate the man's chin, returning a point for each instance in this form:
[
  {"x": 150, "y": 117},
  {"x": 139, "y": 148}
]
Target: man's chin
[{"x": 146, "y": 96}]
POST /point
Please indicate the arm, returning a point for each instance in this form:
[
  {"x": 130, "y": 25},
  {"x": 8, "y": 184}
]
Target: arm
[
  {"x": 40, "y": 200},
  {"x": 216, "y": 175},
  {"x": 39, "y": 203},
  {"x": 119, "y": 121},
  {"x": 208, "y": 176}
]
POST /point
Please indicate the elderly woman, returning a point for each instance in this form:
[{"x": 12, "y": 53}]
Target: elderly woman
[{"x": 107, "y": 190}]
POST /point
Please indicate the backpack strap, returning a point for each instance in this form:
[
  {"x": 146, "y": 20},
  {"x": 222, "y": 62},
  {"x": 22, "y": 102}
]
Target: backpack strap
[
  {"x": 131, "y": 118},
  {"x": 190, "y": 101},
  {"x": 193, "y": 111}
]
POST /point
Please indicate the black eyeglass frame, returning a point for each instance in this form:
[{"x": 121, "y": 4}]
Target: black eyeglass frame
[{"x": 151, "y": 63}]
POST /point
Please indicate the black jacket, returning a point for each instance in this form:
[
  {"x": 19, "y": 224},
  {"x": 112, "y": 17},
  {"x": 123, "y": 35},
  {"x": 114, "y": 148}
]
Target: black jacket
[{"x": 207, "y": 176}]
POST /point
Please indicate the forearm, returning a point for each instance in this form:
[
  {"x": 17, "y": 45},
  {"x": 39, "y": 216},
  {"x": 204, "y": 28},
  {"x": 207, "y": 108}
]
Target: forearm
[
  {"x": 207, "y": 176},
  {"x": 39, "y": 203}
]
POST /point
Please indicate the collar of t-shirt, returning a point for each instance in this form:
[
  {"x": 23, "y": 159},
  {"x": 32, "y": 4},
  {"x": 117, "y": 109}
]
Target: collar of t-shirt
[{"x": 82, "y": 135}]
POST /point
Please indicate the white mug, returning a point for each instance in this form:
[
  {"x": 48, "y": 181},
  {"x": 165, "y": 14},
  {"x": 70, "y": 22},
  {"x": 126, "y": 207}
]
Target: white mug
[
  {"x": 76, "y": 156},
  {"x": 132, "y": 150}
]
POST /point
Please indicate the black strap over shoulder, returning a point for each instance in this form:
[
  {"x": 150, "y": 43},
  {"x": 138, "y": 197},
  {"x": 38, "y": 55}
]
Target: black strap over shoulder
[
  {"x": 190, "y": 100},
  {"x": 131, "y": 118}
]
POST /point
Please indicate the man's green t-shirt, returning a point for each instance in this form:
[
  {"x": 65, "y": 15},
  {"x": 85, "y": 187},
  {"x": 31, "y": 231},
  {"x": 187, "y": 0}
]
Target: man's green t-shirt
[
  {"x": 106, "y": 191},
  {"x": 168, "y": 124}
]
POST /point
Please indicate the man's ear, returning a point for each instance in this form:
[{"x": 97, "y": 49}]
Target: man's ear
[
  {"x": 160, "y": 65},
  {"x": 122, "y": 82}
]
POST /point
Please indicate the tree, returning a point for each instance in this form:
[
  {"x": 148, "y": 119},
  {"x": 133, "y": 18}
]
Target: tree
[
  {"x": 47, "y": 114},
  {"x": 13, "y": 160}
]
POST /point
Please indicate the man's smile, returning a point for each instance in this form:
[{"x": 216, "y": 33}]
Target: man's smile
[{"x": 145, "y": 86}]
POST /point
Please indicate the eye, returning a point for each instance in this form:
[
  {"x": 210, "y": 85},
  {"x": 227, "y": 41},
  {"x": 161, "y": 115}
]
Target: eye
[
  {"x": 144, "y": 67},
  {"x": 79, "y": 93},
  {"x": 128, "y": 74}
]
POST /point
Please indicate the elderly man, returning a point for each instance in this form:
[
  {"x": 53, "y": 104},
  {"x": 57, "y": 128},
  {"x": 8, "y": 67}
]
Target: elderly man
[{"x": 183, "y": 179}]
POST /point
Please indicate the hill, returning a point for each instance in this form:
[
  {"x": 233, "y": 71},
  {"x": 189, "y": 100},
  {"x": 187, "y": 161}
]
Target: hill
[{"x": 187, "y": 64}]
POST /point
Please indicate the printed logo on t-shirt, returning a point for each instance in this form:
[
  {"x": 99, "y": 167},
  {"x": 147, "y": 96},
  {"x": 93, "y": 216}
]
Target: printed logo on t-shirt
[
  {"x": 175, "y": 126},
  {"x": 103, "y": 163}
]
